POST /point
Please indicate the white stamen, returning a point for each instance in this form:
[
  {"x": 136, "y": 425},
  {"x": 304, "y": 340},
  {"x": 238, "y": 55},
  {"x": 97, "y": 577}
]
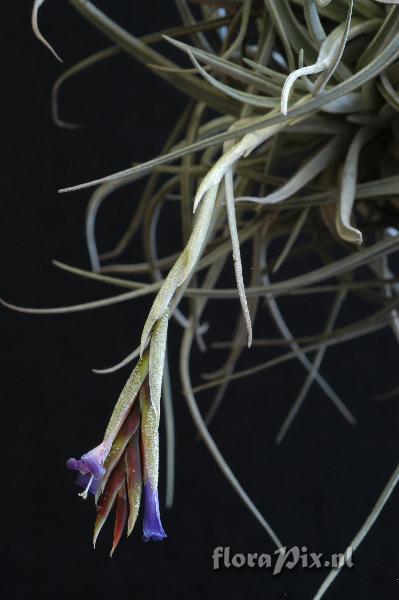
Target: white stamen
[{"x": 85, "y": 492}]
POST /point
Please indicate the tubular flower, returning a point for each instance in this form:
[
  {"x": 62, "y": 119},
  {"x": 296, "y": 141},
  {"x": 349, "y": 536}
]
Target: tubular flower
[
  {"x": 152, "y": 528},
  {"x": 115, "y": 470},
  {"x": 90, "y": 468}
]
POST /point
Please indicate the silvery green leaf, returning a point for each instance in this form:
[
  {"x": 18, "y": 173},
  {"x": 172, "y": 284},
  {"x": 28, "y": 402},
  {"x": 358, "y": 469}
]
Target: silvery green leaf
[
  {"x": 330, "y": 152},
  {"x": 229, "y": 187},
  {"x": 385, "y": 34},
  {"x": 156, "y": 361},
  {"x": 245, "y": 97},
  {"x": 35, "y": 26},
  {"x": 387, "y": 56},
  {"x": 231, "y": 156},
  {"x": 226, "y": 67},
  {"x": 348, "y": 187},
  {"x": 127, "y": 397},
  {"x": 329, "y": 57},
  {"x": 336, "y": 55},
  {"x": 363, "y": 531}
]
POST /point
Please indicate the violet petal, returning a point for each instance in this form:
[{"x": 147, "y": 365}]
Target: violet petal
[
  {"x": 152, "y": 528},
  {"x": 83, "y": 481}
]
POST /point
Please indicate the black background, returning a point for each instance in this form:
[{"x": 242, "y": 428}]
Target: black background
[{"x": 316, "y": 489}]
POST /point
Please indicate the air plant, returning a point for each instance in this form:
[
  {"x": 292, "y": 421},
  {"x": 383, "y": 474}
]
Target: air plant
[{"x": 291, "y": 132}]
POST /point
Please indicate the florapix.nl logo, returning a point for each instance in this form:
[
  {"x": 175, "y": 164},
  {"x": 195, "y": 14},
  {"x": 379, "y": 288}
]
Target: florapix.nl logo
[{"x": 283, "y": 558}]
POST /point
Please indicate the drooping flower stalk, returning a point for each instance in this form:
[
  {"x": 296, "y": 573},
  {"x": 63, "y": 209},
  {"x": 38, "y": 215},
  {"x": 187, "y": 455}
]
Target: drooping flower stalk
[{"x": 327, "y": 173}]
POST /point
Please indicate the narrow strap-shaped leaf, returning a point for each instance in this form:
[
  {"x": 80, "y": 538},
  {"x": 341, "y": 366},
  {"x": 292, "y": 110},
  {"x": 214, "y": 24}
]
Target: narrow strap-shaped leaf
[
  {"x": 292, "y": 238},
  {"x": 189, "y": 84},
  {"x": 208, "y": 440},
  {"x": 383, "y": 36},
  {"x": 313, "y": 372},
  {"x": 388, "y": 55},
  {"x": 298, "y": 351},
  {"x": 229, "y": 187},
  {"x": 359, "y": 537},
  {"x": 231, "y": 156},
  {"x": 226, "y": 67},
  {"x": 290, "y": 31},
  {"x": 336, "y": 56},
  {"x": 348, "y": 187},
  {"x": 244, "y": 97},
  {"x": 313, "y": 167},
  {"x": 137, "y": 293},
  {"x": 313, "y": 21},
  {"x": 370, "y": 325},
  {"x": 35, "y": 26}
]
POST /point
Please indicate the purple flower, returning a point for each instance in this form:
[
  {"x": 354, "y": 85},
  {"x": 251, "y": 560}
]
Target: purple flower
[
  {"x": 90, "y": 467},
  {"x": 152, "y": 528},
  {"x": 88, "y": 483},
  {"x": 119, "y": 468}
]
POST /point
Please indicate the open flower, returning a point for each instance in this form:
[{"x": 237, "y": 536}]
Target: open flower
[{"x": 90, "y": 468}]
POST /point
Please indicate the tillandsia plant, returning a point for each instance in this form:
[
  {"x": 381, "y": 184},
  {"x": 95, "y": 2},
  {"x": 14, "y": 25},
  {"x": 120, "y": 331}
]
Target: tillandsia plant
[{"x": 291, "y": 133}]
